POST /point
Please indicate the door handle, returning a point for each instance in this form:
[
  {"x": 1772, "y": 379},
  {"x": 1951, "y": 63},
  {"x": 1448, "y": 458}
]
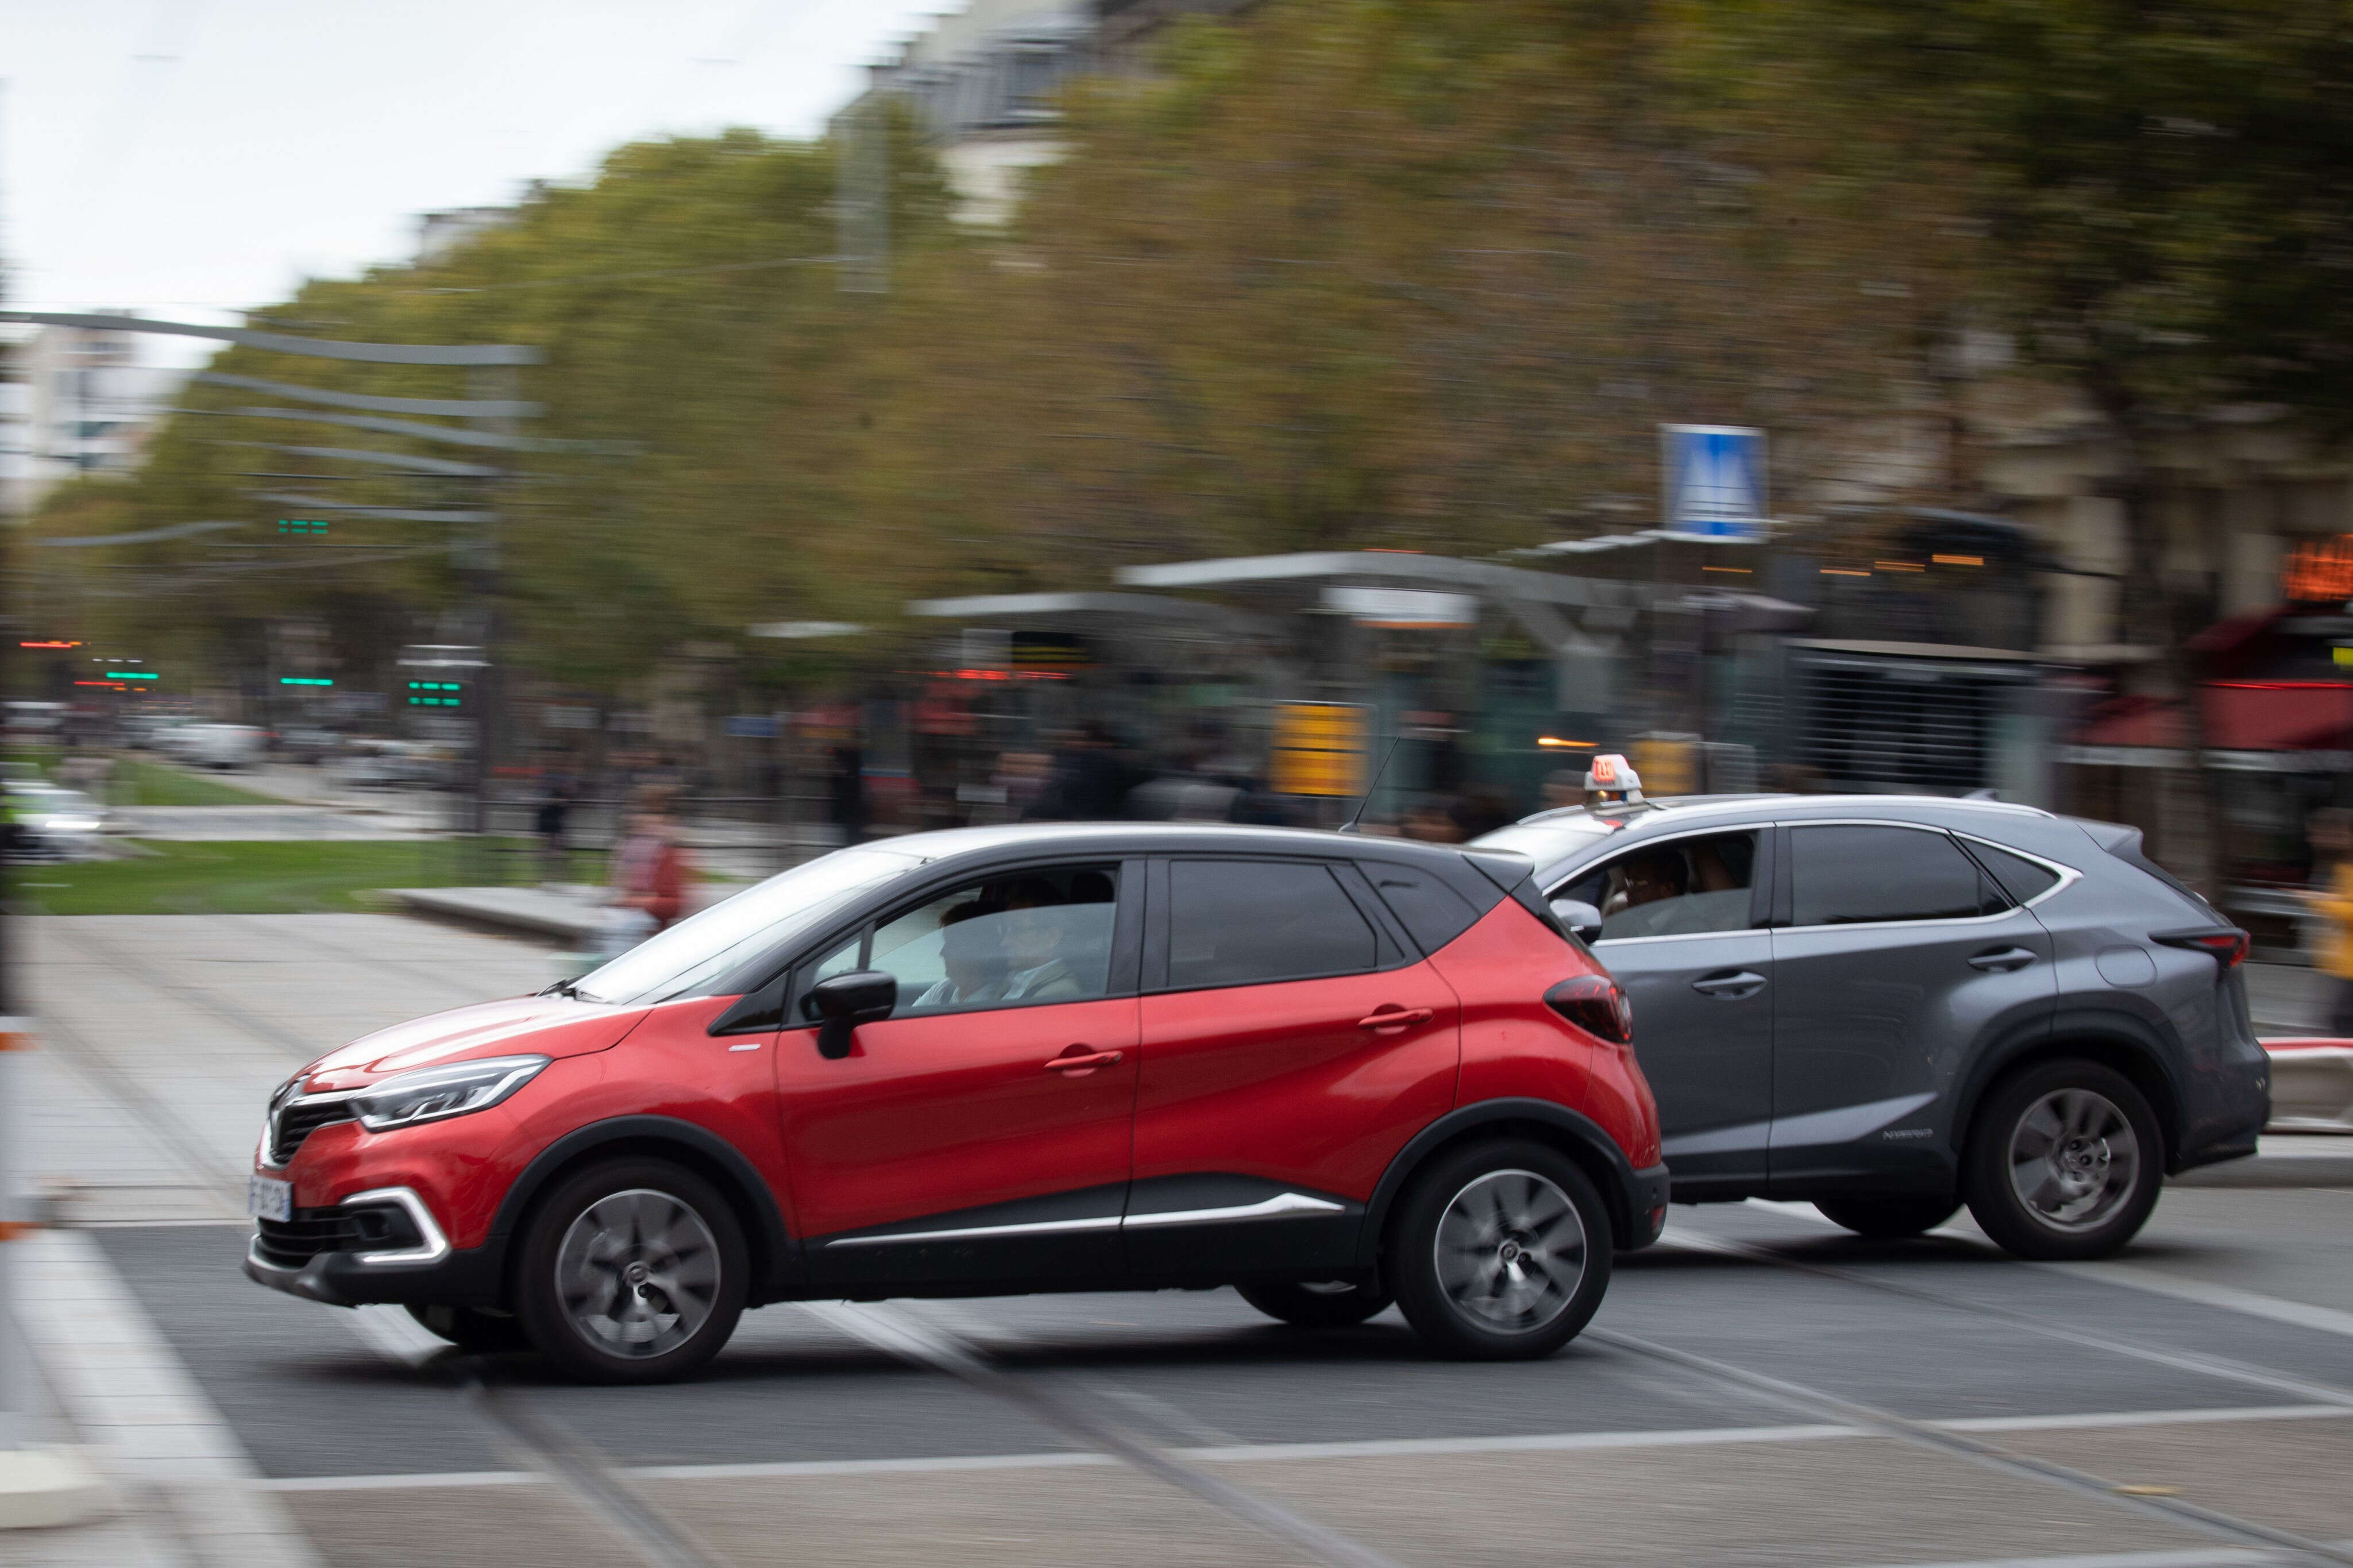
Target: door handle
[
  {"x": 2002, "y": 960},
  {"x": 1079, "y": 1059},
  {"x": 1731, "y": 987},
  {"x": 1389, "y": 1020}
]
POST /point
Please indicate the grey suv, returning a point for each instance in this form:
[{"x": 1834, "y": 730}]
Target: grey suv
[{"x": 1887, "y": 1005}]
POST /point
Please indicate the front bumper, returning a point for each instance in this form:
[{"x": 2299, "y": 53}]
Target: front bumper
[
  {"x": 382, "y": 1245},
  {"x": 461, "y": 1279}
]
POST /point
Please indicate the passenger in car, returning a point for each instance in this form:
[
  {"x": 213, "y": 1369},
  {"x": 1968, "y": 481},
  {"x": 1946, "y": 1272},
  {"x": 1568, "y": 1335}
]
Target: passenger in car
[{"x": 1033, "y": 943}]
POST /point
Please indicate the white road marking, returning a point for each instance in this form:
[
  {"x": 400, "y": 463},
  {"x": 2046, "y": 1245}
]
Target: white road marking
[
  {"x": 2134, "y": 1275},
  {"x": 2219, "y": 1557},
  {"x": 2229, "y": 1371},
  {"x": 2231, "y": 1298},
  {"x": 127, "y": 1393},
  {"x": 1379, "y": 1448}
]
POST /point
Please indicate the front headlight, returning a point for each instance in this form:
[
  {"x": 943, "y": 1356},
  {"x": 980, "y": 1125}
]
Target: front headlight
[{"x": 431, "y": 1094}]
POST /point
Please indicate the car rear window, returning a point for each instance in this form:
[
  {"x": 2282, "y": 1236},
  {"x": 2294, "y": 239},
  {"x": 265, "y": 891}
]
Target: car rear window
[
  {"x": 1853, "y": 875},
  {"x": 1433, "y": 912},
  {"x": 1243, "y": 923}
]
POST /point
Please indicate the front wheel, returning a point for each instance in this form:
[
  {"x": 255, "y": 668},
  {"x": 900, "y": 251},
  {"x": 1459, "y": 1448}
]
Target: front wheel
[
  {"x": 1500, "y": 1252},
  {"x": 2064, "y": 1163},
  {"x": 1888, "y": 1219},
  {"x": 1317, "y": 1304},
  {"x": 632, "y": 1271}
]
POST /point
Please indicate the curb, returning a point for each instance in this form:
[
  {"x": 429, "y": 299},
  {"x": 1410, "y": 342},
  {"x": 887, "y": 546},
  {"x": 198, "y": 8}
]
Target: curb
[{"x": 41, "y": 1489}]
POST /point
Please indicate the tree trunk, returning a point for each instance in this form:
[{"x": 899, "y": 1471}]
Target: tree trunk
[{"x": 2188, "y": 811}]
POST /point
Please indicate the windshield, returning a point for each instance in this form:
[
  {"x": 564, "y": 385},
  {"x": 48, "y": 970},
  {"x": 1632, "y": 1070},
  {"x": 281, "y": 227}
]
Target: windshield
[
  {"x": 1550, "y": 842},
  {"x": 699, "y": 950}
]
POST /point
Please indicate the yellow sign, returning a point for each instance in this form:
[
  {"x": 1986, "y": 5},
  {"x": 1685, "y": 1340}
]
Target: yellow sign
[
  {"x": 1320, "y": 748},
  {"x": 1669, "y": 763}
]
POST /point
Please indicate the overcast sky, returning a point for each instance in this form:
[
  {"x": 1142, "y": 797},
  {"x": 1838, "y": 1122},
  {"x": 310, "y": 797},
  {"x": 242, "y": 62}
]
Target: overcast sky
[{"x": 188, "y": 157}]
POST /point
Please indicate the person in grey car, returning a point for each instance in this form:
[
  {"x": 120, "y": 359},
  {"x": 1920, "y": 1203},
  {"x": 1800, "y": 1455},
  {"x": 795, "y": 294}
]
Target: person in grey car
[{"x": 1891, "y": 1006}]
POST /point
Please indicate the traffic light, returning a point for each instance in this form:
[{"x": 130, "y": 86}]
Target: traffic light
[
  {"x": 303, "y": 680},
  {"x": 301, "y": 525},
  {"x": 437, "y": 694}
]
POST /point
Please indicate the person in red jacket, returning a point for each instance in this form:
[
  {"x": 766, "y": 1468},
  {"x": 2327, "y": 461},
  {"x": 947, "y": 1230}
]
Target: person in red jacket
[{"x": 650, "y": 869}]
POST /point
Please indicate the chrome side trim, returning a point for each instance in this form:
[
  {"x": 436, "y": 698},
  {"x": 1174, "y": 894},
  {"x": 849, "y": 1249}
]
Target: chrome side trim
[
  {"x": 1265, "y": 1208},
  {"x": 1033, "y": 1228},
  {"x": 436, "y": 1246}
]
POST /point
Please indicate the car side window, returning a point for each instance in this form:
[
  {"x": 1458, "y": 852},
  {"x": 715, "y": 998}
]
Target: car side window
[
  {"x": 1244, "y": 922},
  {"x": 1023, "y": 938},
  {"x": 2024, "y": 881},
  {"x": 1681, "y": 888},
  {"x": 1849, "y": 875}
]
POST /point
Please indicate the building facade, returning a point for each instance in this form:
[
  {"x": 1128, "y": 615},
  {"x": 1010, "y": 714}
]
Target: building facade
[
  {"x": 90, "y": 406},
  {"x": 981, "y": 85}
]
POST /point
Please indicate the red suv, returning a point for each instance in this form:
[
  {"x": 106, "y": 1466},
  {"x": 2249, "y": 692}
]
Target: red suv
[{"x": 1332, "y": 1071}]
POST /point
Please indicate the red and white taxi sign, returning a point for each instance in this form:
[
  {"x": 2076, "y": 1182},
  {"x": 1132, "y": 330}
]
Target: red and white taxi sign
[{"x": 1613, "y": 775}]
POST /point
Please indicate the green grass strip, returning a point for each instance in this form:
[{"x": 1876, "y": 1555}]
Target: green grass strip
[{"x": 274, "y": 879}]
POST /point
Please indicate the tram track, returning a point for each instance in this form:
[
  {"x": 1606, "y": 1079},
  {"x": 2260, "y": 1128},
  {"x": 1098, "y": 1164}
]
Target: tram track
[
  {"x": 2224, "y": 1368},
  {"x": 1943, "y": 1438}
]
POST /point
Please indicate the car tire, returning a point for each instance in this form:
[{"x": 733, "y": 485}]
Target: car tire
[
  {"x": 1499, "y": 1252},
  {"x": 472, "y": 1331},
  {"x": 1888, "y": 1219},
  {"x": 632, "y": 1271},
  {"x": 2064, "y": 1163},
  {"x": 1317, "y": 1304}
]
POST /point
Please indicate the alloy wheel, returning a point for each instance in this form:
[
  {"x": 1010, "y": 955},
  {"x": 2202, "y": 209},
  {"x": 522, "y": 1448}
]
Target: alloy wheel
[
  {"x": 1510, "y": 1251},
  {"x": 638, "y": 1273},
  {"x": 2074, "y": 1159}
]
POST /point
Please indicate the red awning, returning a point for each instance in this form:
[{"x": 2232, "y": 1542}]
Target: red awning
[{"x": 2241, "y": 716}]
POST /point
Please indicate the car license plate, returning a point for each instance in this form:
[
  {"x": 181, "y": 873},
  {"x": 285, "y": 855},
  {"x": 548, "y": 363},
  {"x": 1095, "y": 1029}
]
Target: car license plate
[{"x": 267, "y": 1199}]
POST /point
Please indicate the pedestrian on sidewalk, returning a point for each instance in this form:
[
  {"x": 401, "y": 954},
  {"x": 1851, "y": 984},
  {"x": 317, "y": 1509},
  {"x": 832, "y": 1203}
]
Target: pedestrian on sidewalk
[
  {"x": 557, "y": 792},
  {"x": 2330, "y": 898},
  {"x": 650, "y": 874}
]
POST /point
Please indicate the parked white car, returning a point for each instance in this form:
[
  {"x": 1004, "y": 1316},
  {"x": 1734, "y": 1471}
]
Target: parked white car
[
  {"x": 220, "y": 746},
  {"x": 54, "y": 824}
]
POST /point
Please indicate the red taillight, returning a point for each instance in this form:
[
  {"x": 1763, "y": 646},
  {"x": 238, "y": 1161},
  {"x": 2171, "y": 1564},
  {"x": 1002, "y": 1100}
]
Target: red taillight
[
  {"x": 2227, "y": 944},
  {"x": 1595, "y": 1005}
]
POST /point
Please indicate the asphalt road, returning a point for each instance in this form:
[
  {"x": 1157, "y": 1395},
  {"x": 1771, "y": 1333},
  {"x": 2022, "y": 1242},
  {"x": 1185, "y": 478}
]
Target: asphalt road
[{"x": 1761, "y": 1388}]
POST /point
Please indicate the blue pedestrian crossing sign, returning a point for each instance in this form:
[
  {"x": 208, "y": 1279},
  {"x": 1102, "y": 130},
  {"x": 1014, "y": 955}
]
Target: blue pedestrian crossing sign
[{"x": 1713, "y": 480}]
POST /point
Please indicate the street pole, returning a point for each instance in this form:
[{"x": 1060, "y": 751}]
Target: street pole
[
  {"x": 863, "y": 196},
  {"x": 14, "y": 1032},
  {"x": 499, "y": 384}
]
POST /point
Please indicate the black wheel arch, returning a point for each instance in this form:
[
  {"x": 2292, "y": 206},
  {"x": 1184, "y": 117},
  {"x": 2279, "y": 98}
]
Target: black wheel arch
[
  {"x": 1576, "y": 1136},
  {"x": 2120, "y": 1041},
  {"x": 776, "y": 1261}
]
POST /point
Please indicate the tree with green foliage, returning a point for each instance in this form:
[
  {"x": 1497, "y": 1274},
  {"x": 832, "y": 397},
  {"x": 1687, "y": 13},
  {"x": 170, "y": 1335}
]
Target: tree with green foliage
[
  {"x": 693, "y": 471},
  {"x": 2165, "y": 188},
  {"x": 1406, "y": 273}
]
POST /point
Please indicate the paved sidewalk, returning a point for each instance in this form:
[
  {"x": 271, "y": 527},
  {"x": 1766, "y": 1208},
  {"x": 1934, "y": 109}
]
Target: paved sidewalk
[{"x": 160, "y": 1038}]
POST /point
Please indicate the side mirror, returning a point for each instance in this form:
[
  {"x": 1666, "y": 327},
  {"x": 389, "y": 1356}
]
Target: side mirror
[
  {"x": 846, "y": 1001},
  {"x": 1579, "y": 917}
]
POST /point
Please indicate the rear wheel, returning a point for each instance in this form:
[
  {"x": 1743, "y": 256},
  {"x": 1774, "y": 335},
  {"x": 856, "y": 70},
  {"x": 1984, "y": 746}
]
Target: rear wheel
[
  {"x": 1317, "y": 1304},
  {"x": 1500, "y": 1252},
  {"x": 632, "y": 1271},
  {"x": 2064, "y": 1163},
  {"x": 1888, "y": 1219},
  {"x": 472, "y": 1331}
]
